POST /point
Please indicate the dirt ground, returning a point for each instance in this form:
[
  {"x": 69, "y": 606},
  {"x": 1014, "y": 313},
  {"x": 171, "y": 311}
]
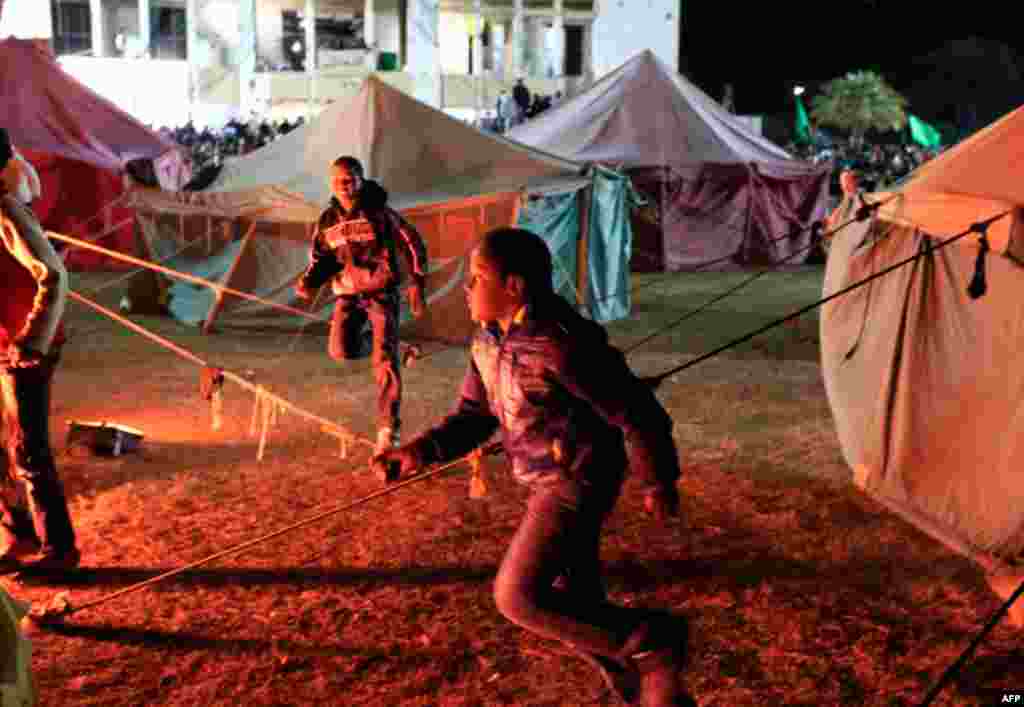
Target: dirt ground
[{"x": 800, "y": 590}]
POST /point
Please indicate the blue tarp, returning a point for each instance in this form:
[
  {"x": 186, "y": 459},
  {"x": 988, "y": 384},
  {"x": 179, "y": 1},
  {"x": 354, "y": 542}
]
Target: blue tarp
[
  {"x": 556, "y": 217},
  {"x": 609, "y": 245}
]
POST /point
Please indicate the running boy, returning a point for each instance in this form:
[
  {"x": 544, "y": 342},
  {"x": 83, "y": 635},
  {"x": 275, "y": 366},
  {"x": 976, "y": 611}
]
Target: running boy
[{"x": 572, "y": 416}]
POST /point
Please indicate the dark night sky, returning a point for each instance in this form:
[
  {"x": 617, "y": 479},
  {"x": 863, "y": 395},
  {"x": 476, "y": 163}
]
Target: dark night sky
[{"x": 763, "y": 48}]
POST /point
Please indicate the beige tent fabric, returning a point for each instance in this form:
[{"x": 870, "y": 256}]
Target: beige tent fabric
[
  {"x": 452, "y": 181},
  {"x": 420, "y": 154},
  {"x": 922, "y": 380}
]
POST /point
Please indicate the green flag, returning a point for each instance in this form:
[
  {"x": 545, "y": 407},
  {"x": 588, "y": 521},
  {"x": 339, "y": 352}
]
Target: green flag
[
  {"x": 922, "y": 133},
  {"x": 803, "y": 125}
]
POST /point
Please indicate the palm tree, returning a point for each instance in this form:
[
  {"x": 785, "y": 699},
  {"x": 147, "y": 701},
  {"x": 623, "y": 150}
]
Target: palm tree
[{"x": 858, "y": 102}]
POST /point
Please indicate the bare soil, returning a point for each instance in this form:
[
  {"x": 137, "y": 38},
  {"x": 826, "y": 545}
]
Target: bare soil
[{"x": 801, "y": 591}]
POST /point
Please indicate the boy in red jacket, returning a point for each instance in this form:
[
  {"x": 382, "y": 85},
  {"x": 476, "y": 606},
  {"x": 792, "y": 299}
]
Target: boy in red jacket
[{"x": 356, "y": 246}]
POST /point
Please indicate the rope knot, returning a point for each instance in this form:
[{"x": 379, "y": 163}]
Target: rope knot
[
  {"x": 211, "y": 379},
  {"x": 978, "y": 286},
  {"x": 865, "y": 209}
]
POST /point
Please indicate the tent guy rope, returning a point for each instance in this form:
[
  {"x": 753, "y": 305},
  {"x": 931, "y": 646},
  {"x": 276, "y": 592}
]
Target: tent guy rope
[
  {"x": 325, "y": 424},
  {"x": 61, "y": 607}
]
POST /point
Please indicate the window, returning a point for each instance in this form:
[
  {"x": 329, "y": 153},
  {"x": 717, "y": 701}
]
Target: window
[
  {"x": 573, "y": 50},
  {"x": 331, "y": 33},
  {"x": 72, "y": 27},
  {"x": 293, "y": 40},
  {"x": 169, "y": 33}
]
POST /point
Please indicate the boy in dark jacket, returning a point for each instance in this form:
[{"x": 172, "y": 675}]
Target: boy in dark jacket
[
  {"x": 355, "y": 247},
  {"x": 572, "y": 416}
]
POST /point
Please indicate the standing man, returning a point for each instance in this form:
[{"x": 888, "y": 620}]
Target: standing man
[
  {"x": 522, "y": 98},
  {"x": 33, "y": 293},
  {"x": 355, "y": 248},
  {"x": 572, "y": 417},
  {"x": 503, "y": 111}
]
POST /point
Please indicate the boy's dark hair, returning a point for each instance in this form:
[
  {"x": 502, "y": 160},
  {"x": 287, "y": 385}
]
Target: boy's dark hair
[
  {"x": 516, "y": 251},
  {"x": 352, "y": 164},
  {"x": 6, "y": 151}
]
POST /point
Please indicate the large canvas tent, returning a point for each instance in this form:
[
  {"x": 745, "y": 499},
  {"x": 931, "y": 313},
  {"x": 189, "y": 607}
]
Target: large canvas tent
[
  {"x": 923, "y": 380},
  {"x": 450, "y": 180},
  {"x": 723, "y": 195},
  {"x": 80, "y": 144}
]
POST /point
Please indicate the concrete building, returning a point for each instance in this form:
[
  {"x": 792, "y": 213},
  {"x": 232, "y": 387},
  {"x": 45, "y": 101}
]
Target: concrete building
[{"x": 239, "y": 56}]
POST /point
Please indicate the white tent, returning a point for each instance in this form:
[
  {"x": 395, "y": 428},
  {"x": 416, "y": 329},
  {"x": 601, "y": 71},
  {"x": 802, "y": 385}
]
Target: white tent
[
  {"x": 923, "y": 379},
  {"x": 726, "y": 196}
]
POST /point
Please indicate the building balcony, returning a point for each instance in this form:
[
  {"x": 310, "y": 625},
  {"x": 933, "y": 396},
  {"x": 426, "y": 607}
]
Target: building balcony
[{"x": 338, "y": 83}]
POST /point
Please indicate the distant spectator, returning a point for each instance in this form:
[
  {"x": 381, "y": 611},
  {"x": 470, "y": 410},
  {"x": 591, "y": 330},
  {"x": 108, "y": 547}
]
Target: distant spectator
[
  {"x": 521, "y": 96},
  {"x": 504, "y": 111}
]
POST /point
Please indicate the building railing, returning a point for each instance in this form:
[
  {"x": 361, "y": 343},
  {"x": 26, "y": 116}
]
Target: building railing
[{"x": 457, "y": 90}]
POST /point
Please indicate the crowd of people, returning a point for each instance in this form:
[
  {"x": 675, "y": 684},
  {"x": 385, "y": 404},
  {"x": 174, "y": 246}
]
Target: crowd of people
[
  {"x": 877, "y": 165},
  {"x": 208, "y": 147}
]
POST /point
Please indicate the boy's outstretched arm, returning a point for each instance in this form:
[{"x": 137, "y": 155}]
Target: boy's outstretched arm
[{"x": 464, "y": 429}]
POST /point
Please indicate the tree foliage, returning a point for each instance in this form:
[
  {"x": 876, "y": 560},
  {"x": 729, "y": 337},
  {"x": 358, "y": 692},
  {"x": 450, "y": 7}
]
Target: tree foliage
[{"x": 858, "y": 102}]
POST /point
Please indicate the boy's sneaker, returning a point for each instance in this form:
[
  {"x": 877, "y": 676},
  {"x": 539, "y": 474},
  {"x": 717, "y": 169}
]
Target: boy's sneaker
[
  {"x": 12, "y": 558},
  {"x": 52, "y": 561},
  {"x": 387, "y": 438},
  {"x": 620, "y": 677},
  {"x": 657, "y": 649}
]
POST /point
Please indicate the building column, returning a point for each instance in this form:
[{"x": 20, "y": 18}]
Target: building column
[
  {"x": 311, "y": 63},
  {"x": 310, "y": 17},
  {"x": 370, "y": 23},
  {"x": 145, "y": 24},
  {"x": 558, "y": 30},
  {"x": 96, "y": 19},
  {"x": 247, "y": 55},
  {"x": 478, "y": 36},
  {"x": 192, "y": 49},
  {"x": 588, "y": 53},
  {"x": 516, "y": 37},
  {"x": 533, "y": 53}
]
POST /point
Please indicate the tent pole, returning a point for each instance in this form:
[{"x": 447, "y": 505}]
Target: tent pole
[
  {"x": 218, "y": 302},
  {"x": 582, "y": 245},
  {"x": 517, "y": 207},
  {"x": 663, "y": 265}
]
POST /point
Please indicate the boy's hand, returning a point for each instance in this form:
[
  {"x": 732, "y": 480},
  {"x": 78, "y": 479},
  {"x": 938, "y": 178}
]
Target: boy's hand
[
  {"x": 662, "y": 503},
  {"x": 416, "y": 301},
  {"x": 302, "y": 293},
  {"x": 403, "y": 459},
  {"x": 22, "y": 357}
]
